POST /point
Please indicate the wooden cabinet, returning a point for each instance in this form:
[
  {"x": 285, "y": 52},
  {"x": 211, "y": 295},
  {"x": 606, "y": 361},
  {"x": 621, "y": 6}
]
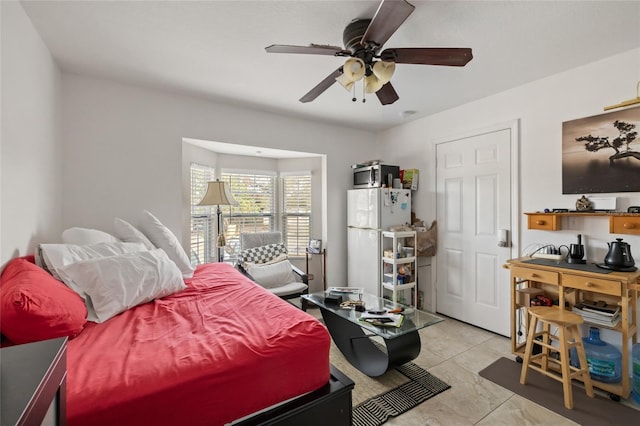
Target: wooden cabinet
[
  {"x": 399, "y": 267},
  {"x": 619, "y": 223},
  {"x": 570, "y": 286}
]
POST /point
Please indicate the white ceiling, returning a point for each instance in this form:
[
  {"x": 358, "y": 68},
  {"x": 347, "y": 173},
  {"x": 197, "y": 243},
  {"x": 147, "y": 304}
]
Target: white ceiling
[{"x": 215, "y": 49}]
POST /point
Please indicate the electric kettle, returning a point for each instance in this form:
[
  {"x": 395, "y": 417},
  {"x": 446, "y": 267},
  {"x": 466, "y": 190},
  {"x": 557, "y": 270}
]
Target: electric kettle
[{"x": 619, "y": 256}]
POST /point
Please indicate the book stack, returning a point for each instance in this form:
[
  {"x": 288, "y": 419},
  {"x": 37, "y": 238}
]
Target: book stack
[{"x": 598, "y": 313}]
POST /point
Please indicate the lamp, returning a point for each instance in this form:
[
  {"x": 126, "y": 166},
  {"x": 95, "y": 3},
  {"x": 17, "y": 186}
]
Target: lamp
[
  {"x": 384, "y": 70},
  {"x": 375, "y": 74},
  {"x": 218, "y": 194},
  {"x": 352, "y": 71}
]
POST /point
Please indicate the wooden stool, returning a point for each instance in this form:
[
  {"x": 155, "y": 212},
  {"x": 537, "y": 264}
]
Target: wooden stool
[{"x": 568, "y": 337}]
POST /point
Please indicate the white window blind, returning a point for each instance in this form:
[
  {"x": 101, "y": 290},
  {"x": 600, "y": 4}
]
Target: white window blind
[
  {"x": 255, "y": 212},
  {"x": 203, "y": 220},
  {"x": 296, "y": 212}
]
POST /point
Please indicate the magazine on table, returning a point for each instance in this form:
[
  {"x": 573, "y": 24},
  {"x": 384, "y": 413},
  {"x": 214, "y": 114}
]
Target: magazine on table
[{"x": 385, "y": 319}]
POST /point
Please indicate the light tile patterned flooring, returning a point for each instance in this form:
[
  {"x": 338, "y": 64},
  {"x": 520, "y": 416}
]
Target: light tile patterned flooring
[{"x": 456, "y": 352}]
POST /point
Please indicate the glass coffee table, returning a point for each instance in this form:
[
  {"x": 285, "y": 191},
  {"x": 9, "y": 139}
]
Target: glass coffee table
[{"x": 353, "y": 336}]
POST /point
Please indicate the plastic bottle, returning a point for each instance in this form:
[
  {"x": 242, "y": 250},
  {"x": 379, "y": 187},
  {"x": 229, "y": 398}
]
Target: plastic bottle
[
  {"x": 604, "y": 360},
  {"x": 635, "y": 356}
]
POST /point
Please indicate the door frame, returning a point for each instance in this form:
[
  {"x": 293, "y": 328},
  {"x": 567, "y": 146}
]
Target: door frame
[{"x": 514, "y": 238}]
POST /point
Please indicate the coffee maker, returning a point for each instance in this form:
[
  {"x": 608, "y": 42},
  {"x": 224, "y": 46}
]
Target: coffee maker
[{"x": 576, "y": 252}]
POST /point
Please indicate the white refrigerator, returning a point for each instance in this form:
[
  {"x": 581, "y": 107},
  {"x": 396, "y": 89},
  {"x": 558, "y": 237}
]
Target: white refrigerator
[{"x": 370, "y": 211}]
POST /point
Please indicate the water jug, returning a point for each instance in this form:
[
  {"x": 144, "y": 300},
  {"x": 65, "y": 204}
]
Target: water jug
[
  {"x": 635, "y": 356},
  {"x": 603, "y": 359}
]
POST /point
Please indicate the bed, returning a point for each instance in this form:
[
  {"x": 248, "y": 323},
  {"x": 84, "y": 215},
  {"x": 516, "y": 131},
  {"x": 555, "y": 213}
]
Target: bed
[{"x": 220, "y": 350}]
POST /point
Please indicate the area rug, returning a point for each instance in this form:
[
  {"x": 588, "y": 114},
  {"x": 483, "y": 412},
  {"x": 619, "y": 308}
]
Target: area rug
[
  {"x": 547, "y": 392},
  {"x": 421, "y": 386}
]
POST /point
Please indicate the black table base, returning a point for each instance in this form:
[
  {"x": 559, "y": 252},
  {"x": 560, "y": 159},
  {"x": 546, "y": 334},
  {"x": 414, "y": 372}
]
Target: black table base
[{"x": 358, "y": 348}]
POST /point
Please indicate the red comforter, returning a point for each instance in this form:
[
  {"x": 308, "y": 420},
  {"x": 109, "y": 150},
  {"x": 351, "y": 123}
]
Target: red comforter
[{"x": 217, "y": 351}]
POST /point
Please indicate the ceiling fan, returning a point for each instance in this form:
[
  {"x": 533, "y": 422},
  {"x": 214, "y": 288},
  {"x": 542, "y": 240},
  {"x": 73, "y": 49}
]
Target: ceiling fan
[{"x": 363, "y": 40}]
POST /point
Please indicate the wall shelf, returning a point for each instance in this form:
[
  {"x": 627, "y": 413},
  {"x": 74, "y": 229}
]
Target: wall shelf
[{"x": 619, "y": 223}]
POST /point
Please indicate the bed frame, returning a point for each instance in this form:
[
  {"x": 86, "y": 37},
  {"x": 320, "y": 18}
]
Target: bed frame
[{"x": 331, "y": 404}]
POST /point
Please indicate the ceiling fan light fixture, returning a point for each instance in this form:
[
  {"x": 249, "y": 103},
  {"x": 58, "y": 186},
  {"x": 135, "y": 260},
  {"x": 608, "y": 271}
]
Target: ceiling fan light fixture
[
  {"x": 352, "y": 71},
  {"x": 384, "y": 70},
  {"x": 372, "y": 84}
]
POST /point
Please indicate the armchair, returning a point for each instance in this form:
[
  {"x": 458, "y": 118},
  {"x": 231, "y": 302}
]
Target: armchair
[{"x": 268, "y": 266}]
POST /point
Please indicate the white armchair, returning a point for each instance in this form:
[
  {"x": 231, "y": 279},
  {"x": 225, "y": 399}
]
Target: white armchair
[{"x": 262, "y": 258}]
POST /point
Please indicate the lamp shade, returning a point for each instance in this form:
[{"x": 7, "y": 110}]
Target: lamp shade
[
  {"x": 384, "y": 70},
  {"x": 217, "y": 194},
  {"x": 372, "y": 83},
  {"x": 352, "y": 71}
]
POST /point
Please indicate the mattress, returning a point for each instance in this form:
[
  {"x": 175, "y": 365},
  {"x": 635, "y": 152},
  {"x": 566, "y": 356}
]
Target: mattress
[{"x": 219, "y": 350}]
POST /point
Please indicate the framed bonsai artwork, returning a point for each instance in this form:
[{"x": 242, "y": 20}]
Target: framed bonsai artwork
[{"x": 601, "y": 153}]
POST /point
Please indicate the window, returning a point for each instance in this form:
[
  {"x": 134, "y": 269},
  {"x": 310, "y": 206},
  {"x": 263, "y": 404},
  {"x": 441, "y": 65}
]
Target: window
[
  {"x": 296, "y": 212},
  {"x": 202, "y": 221},
  {"x": 255, "y": 212}
]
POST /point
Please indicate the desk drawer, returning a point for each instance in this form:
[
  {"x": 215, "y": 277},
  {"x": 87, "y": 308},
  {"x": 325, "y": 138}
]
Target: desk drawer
[
  {"x": 547, "y": 222},
  {"x": 624, "y": 225},
  {"x": 596, "y": 285},
  {"x": 535, "y": 275}
]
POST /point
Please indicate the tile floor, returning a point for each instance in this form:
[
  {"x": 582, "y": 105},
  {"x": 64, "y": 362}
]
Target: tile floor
[{"x": 455, "y": 352}]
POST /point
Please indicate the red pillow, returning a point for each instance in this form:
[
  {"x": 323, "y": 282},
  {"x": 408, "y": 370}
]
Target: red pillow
[{"x": 35, "y": 306}]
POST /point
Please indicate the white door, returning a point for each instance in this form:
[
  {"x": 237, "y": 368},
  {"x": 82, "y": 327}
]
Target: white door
[{"x": 474, "y": 192}]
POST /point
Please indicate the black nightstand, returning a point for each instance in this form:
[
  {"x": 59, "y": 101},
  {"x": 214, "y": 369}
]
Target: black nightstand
[{"x": 33, "y": 379}]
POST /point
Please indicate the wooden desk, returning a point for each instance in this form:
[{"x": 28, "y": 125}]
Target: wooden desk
[{"x": 570, "y": 286}]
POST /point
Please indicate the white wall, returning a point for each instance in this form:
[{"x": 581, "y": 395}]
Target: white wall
[
  {"x": 30, "y": 157},
  {"x": 541, "y": 107},
  {"x": 123, "y": 150}
]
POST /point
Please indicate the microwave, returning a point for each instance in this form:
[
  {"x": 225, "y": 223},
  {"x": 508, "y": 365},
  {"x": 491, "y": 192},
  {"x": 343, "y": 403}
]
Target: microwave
[{"x": 375, "y": 176}]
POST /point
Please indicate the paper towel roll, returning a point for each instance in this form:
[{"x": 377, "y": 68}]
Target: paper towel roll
[{"x": 397, "y": 183}]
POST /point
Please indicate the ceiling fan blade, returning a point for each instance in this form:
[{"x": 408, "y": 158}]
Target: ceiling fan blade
[
  {"x": 322, "y": 86},
  {"x": 388, "y": 18},
  {"x": 455, "y": 57},
  {"x": 312, "y": 49},
  {"x": 387, "y": 95}
]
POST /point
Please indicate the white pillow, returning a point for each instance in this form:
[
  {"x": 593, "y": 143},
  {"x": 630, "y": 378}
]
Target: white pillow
[
  {"x": 118, "y": 283},
  {"x": 55, "y": 256},
  {"x": 129, "y": 233},
  {"x": 163, "y": 238},
  {"x": 83, "y": 236},
  {"x": 272, "y": 275}
]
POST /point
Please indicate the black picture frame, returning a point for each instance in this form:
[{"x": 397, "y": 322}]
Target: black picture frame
[
  {"x": 601, "y": 153},
  {"x": 315, "y": 246}
]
